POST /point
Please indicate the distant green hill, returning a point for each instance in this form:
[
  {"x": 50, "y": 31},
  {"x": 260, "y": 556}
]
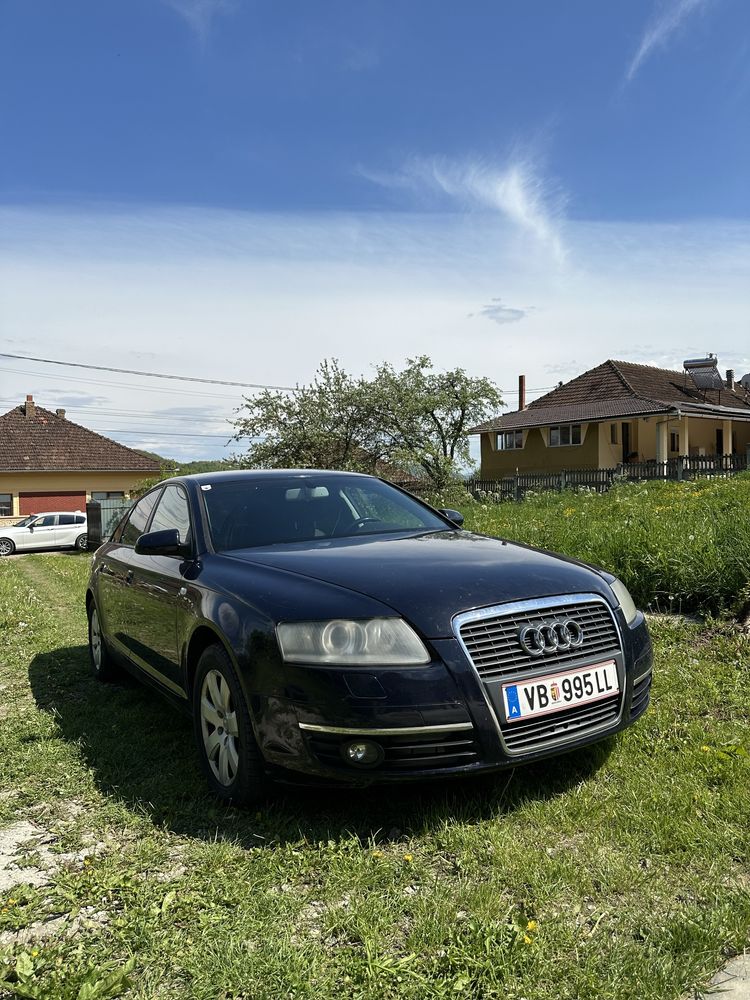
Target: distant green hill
[{"x": 188, "y": 468}]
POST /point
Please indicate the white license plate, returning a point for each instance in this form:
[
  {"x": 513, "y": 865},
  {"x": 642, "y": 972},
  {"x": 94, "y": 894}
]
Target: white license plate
[{"x": 543, "y": 695}]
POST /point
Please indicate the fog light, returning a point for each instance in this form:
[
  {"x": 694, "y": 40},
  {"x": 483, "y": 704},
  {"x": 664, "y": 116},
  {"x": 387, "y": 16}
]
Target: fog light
[{"x": 362, "y": 753}]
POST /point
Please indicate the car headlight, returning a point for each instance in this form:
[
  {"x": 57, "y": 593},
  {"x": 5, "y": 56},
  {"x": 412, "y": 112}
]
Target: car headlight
[
  {"x": 625, "y": 601},
  {"x": 346, "y": 643}
]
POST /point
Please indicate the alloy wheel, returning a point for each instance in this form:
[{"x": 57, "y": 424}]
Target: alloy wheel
[
  {"x": 6, "y": 547},
  {"x": 219, "y": 727},
  {"x": 95, "y": 640}
]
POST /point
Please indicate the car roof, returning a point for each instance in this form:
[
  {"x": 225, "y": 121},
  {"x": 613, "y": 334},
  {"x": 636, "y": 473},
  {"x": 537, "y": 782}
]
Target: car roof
[
  {"x": 46, "y": 513},
  {"x": 251, "y": 475}
]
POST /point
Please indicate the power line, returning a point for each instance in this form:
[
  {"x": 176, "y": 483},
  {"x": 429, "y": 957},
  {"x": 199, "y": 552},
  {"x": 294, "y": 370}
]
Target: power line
[
  {"x": 120, "y": 385},
  {"x": 131, "y": 371},
  {"x": 188, "y": 378}
]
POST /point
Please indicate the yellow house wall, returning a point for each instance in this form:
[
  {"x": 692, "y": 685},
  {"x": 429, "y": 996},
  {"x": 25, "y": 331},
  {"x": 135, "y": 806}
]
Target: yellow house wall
[
  {"x": 67, "y": 482},
  {"x": 597, "y": 450},
  {"x": 535, "y": 456}
]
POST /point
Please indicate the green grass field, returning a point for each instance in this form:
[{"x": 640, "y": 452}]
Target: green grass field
[
  {"x": 677, "y": 546},
  {"x": 617, "y": 872}
]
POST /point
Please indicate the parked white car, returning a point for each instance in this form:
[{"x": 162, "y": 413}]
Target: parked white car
[{"x": 51, "y": 530}]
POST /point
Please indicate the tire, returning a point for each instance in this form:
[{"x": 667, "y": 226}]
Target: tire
[
  {"x": 229, "y": 754},
  {"x": 7, "y": 548},
  {"x": 81, "y": 543},
  {"x": 104, "y": 668}
]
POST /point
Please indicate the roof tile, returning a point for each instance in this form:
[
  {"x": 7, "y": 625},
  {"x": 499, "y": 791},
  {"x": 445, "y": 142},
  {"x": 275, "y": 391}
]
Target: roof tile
[{"x": 46, "y": 442}]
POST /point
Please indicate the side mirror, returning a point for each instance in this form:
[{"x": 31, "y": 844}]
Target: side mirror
[
  {"x": 161, "y": 543},
  {"x": 452, "y": 515}
]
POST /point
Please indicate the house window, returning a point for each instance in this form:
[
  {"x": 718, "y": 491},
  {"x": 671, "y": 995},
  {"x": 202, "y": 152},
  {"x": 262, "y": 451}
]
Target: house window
[
  {"x": 565, "y": 434},
  {"x": 108, "y": 495},
  {"x": 6, "y": 504},
  {"x": 613, "y": 433},
  {"x": 674, "y": 441},
  {"x": 509, "y": 440}
]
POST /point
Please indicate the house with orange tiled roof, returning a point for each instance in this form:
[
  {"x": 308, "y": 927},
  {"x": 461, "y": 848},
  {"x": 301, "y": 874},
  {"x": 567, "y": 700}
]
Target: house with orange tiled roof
[
  {"x": 620, "y": 413},
  {"x": 49, "y": 463}
]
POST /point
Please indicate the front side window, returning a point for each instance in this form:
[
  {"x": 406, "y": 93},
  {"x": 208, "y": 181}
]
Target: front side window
[
  {"x": 509, "y": 440},
  {"x": 138, "y": 519},
  {"x": 565, "y": 434},
  {"x": 48, "y": 521},
  {"x": 173, "y": 512},
  {"x": 279, "y": 510},
  {"x": 6, "y": 504}
]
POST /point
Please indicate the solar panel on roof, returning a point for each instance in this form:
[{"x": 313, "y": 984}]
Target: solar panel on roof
[{"x": 704, "y": 373}]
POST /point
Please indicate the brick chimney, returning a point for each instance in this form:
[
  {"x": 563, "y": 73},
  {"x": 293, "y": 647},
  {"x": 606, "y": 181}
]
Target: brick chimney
[
  {"x": 60, "y": 413},
  {"x": 30, "y": 408},
  {"x": 730, "y": 379},
  {"x": 521, "y": 392}
]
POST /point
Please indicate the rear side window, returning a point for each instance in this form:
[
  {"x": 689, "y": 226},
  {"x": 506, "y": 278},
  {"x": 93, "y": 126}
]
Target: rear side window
[
  {"x": 138, "y": 519},
  {"x": 67, "y": 519},
  {"x": 173, "y": 512},
  {"x": 80, "y": 519}
]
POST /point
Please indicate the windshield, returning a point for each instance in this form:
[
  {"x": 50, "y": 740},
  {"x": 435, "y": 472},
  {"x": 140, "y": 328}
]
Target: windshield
[
  {"x": 26, "y": 521},
  {"x": 289, "y": 509}
]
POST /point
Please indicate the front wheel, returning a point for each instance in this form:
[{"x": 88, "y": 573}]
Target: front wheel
[
  {"x": 7, "y": 548},
  {"x": 223, "y": 731},
  {"x": 104, "y": 667},
  {"x": 81, "y": 543}
]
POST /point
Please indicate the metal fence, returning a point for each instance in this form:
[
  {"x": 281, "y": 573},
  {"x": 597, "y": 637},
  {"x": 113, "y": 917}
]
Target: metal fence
[
  {"x": 676, "y": 469},
  {"x": 102, "y": 517}
]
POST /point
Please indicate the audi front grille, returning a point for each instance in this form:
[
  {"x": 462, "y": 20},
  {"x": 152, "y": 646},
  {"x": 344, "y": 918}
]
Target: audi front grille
[
  {"x": 493, "y": 647},
  {"x": 535, "y": 638}
]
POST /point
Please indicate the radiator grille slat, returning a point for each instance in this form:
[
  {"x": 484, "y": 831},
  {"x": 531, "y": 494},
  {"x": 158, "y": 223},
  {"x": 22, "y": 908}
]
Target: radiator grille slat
[
  {"x": 494, "y": 648},
  {"x": 495, "y": 651},
  {"x": 527, "y": 736}
]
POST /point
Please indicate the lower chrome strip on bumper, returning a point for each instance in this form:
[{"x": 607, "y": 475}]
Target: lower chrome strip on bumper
[
  {"x": 395, "y": 731},
  {"x": 637, "y": 680}
]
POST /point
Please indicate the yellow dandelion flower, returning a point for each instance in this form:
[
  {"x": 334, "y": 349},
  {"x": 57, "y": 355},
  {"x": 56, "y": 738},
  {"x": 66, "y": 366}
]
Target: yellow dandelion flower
[
  {"x": 34, "y": 952},
  {"x": 377, "y": 854},
  {"x": 705, "y": 749},
  {"x": 408, "y": 857},
  {"x": 531, "y": 925},
  {"x": 12, "y": 902},
  {"x": 526, "y": 939}
]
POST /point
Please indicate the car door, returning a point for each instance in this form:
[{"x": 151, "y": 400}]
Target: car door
[
  {"x": 158, "y": 594},
  {"x": 40, "y": 534},
  {"x": 114, "y": 573},
  {"x": 67, "y": 530}
]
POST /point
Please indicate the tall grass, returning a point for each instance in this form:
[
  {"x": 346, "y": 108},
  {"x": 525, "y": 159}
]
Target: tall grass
[{"x": 680, "y": 546}]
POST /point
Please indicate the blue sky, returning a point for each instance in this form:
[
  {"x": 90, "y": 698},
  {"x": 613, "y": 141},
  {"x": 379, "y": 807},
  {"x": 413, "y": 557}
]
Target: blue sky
[{"x": 517, "y": 186}]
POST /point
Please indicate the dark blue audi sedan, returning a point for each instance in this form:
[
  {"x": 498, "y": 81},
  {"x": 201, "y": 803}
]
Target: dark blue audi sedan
[{"x": 329, "y": 626}]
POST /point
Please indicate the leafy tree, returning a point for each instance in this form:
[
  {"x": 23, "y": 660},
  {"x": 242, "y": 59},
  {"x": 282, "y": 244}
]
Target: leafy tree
[
  {"x": 415, "y": 420},
  {"x": 425, "y": 415},
  {"x": 326, "y": 425}
]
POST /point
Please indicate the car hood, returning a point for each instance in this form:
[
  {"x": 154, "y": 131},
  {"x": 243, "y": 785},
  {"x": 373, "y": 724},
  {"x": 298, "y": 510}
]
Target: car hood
[{"x": 431, "y": 577}]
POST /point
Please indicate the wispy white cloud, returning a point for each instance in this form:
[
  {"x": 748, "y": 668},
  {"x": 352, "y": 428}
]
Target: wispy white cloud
[
  {"x": 200, "y": 14},
  {"x": 502, "y": 314},
  {"x": 667, "y": 18},
  {"x": 518, "y": 190}
]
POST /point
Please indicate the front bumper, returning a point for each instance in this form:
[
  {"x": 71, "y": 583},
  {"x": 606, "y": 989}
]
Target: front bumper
[{"x": 429, "y": 722}]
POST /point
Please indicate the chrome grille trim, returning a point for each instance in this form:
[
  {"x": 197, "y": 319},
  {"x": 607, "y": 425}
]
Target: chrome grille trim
[
  {"x": 491, "y": 640},
  {"x": 589, "y": 715}
]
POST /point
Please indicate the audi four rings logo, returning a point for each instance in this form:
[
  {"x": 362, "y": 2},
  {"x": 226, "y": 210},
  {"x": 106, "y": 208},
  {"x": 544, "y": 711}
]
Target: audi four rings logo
[{"x": 551, "y": 637}]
